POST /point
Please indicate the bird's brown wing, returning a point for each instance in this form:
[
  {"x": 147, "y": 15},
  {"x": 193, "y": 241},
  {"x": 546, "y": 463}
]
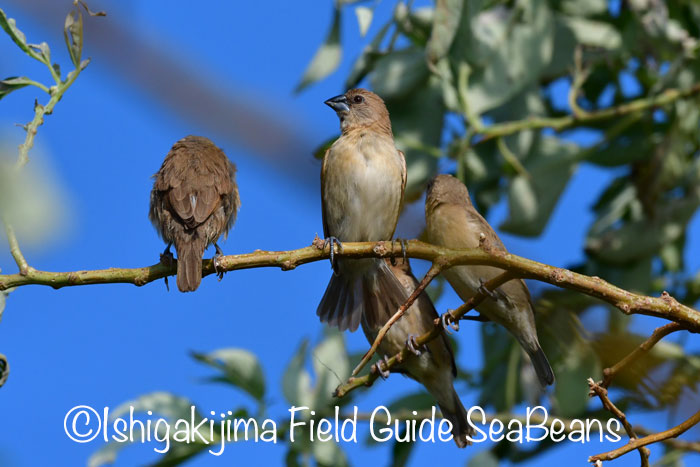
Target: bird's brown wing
[
  {"x": 323, "y": 197},
  {"x": 193, "y": 195},
  {"x": 404, "y": 176}
]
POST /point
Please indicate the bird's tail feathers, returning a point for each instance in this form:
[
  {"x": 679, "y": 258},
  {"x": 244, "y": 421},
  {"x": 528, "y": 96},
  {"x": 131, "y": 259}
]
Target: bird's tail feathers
[
  {"x": 189, "y": 263},
  {"x": 374, "y": 293},
  {"x": 542, "y": 366},
  {"x": 457, "y": 416}
]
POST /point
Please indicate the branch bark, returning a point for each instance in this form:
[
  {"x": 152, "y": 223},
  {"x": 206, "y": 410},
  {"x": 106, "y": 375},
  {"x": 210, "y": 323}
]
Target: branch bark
[
  {"x": 602, "y": 393},
  {"x": 650, "y": 439},
  {"x": 569, "y": 121},
  {"x": 665, "y": 307}
]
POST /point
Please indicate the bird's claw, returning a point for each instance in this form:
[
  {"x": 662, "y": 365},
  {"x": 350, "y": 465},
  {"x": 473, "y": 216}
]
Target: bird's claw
[
  {"x": 383, "y": 372},
  {"x": 215, "y": 260},
  {"x": 404, "y": 255},
  {"x": 167, "y": 257},
  {"x": 448, "y": 322},
  {"x": 483, "y": 290},
  {"x": 333, "y": 241},
  {"x": 412, "y": 345}
]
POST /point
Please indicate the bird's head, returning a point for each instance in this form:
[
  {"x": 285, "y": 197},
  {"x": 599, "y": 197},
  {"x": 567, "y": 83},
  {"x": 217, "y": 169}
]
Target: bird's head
[
  {"x": 446, "y": 189},
  {"x": 360, "y": 108}
]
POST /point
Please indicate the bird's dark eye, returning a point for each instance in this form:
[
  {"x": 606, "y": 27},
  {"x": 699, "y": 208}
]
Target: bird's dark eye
[{"x": 358, "y": 99}]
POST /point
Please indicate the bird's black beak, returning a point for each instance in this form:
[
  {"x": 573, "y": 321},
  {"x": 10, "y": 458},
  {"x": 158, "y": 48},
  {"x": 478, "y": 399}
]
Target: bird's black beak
[{"x": 338, "y": 103}]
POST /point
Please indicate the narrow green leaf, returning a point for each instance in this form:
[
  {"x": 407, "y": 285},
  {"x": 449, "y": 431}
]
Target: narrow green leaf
[
  {"x": 593, "y": 33},
  {"x": 12, "y": 84},
  {"x": 445, "y": 23},
  {"x": 331, "y": 367},
  {"x": 163, "y": 404},
  {"x": 365, "y": 62},
  {"x": 296, "y": 382},
  {"x": 364, "y": 19},
  {"x": 73, "y": 35},
  {"x": 8, "y": 24},
  {"x": 239, "y": 368},
  {"x": 43, "y": 50},
  {"x": 327, "y": 57},
  {"x": 398, "y": 73},
  {"x": 483, "y": 459},
  {"x": 532, "y": 197}
]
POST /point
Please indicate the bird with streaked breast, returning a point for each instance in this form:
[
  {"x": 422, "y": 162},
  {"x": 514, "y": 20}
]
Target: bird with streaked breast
[
  {"x": 453, "y": 222},
  {"x": 193, "y": 202},
  {"x": 362, "y": 184}
]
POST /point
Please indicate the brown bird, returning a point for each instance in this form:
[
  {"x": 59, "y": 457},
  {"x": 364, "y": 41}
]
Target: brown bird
[
  {"x": 193, "y": 202},
  {"x": 362, "y": 184},
  {"x": 452, "y": 221},
  {"x": 434, "y": 366}
]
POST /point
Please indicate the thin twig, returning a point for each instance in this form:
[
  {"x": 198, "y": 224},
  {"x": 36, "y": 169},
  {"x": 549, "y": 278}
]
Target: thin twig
[
  {"x": 449, "y": 317},
  {"x": 570, "y": 121},
  {"x": 602, "y": 393},
  {"x": 659, "y": 333},
  {"x": 15, "y": 249},
  {"x": 650, "y": 439},
  {"x": 429, "y": 276}
]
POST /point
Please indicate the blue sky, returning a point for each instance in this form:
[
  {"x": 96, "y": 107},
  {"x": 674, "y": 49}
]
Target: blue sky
[{"x": 103, "y": 345}]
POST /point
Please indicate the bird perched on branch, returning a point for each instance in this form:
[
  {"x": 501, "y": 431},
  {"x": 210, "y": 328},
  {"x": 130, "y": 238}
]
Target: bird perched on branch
[
  {"x": 434, "y": 365},
  {"x": 362, "y": 184},
  {"x": 193, "y": 202},
  {"x": 453, "y": 222}
]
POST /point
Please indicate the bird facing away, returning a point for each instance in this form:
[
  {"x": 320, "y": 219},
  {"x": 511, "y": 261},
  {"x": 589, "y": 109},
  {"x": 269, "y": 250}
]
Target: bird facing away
[
  {"x": 434, "y": 365},
  {"x": 362, "y": 183},
  {"x": 193, "y": 202},
  {"x": 453, "y": 222}
]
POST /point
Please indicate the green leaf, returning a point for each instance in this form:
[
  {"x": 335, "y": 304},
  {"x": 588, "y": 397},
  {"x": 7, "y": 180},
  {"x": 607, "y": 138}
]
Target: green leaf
[
  {"x": 364, "y": 19},
  {"x": 164, "y": 404},
  {"x": 401, "y": 451},
  {"x": 44, "y": 52},
  {"x": 320, "y": 152},
  {"x": 587, "y": 8},
  {"x": 483, "y": 459},
  {"x": 73, "y": 35},
  {"x": 240, "y": 368},
  {"x": 8, "y": 24},
  {"x": 12, "y": 84},
  {"x": 397, "y": 74},
  {"x": 593, "y": 33},
  {"x": 328, "y": 453},
  {"x": 446, "y": 20},
  {"x": 367, "y": 59},
  {"x": 327, "y": 57},
  {"x": 296, "y": 382},
  {"x": 571, "y": 392},
  {"x": 331, "y": 367},
  {"x": 509, "y": 49},
  {"x": 532, "y": 198},
  {"x": 417, "y": 124},
  {"x": 643, "y": 238}
]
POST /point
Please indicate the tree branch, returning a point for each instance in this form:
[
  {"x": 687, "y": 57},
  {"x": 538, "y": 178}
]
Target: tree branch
[
  {"x": 429, "y": 276},
  {"x": 665, "y": 307},
  {"x": 447, "y": 318},
  {"x": 602, "y": 393},
  {"x": 569, "y": 121},
  {"x": 650, "y": 439},
  {"x": 659, "y": 333}
]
